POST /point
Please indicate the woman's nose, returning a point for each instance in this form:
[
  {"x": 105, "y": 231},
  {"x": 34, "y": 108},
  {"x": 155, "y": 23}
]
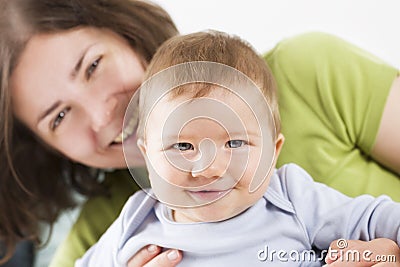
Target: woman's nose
[{"x": 103, "y": 113}]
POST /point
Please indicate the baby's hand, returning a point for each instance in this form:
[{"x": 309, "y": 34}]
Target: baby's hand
[{"x": 379, "y": 252}]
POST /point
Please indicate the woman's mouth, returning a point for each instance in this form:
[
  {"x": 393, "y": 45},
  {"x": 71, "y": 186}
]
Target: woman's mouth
[{"x": 129, "y": 129}]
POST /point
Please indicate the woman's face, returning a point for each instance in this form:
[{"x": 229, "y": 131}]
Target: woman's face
[{"x": 72, "y": 89}]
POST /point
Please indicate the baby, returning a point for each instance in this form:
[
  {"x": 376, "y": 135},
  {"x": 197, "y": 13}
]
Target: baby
[{"x": 210, "y": 134}]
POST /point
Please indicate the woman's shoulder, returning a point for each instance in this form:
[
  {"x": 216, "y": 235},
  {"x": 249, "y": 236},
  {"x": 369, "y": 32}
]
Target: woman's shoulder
[
  {"x": 308, "y": 39},
  {"x": 315, "y": 42},
  {"x": 317, "y": 48},
  {"x": 96, "y": 215}
]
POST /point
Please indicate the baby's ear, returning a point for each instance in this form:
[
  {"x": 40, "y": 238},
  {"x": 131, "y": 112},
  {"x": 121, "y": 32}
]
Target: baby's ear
[
  {"x": 142, "y": 147},
  {"x": 278, "y": 144}
]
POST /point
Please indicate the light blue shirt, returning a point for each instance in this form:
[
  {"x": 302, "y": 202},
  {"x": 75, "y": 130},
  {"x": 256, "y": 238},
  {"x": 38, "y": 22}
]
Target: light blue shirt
[{"x": 295, "y": 216}]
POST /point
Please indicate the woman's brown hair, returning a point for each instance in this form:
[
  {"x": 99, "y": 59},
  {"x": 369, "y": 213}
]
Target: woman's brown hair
[{"x": 35, "y": 182}]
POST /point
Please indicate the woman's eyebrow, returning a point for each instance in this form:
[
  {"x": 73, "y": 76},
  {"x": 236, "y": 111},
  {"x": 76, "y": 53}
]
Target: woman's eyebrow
[
  {"x": 77, "y": 67},
  {"x": 78, "y": 64},
  {"x": 49, "y": 111},
  {"x": 73, "y": 74}
]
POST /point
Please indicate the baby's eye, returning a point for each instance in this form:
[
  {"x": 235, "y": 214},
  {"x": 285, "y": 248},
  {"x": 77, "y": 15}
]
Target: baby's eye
[
  {"x": 59, "y": 118},
  {"x": 234, "y": 143},
  {"x": 183, "y": 146}
]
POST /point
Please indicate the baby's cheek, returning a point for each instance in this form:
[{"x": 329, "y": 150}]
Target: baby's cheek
[{"x": 168, "y": 174}]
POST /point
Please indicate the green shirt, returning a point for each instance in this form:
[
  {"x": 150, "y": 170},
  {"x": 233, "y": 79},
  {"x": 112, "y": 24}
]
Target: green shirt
[
  {"x": 96, "y": 216},
  {"x": 331, "y": 97}
]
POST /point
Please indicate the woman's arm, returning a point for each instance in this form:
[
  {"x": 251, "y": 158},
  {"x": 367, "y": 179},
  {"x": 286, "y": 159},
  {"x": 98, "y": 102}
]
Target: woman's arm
[
  {"x": 332, "y": 97},
  {"x": 386, "y": 149}
]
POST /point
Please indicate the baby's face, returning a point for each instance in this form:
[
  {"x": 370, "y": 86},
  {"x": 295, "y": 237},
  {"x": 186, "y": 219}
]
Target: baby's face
[{"x": 209, "y": 158}]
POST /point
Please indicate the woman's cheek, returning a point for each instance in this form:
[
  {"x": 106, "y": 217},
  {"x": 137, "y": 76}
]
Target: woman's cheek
[{"x": 76, "y": 144}]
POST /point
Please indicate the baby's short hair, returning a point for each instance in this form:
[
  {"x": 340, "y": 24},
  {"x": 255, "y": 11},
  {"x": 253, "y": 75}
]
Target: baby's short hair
[{"x": 210, "y": 46}]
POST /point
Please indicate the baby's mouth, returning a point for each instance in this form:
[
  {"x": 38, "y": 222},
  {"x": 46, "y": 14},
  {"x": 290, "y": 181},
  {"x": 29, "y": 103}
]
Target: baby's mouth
[{"x": 208, "y": 195}]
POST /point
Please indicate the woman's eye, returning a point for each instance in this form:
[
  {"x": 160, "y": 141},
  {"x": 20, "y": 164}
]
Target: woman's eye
[
  {"x": 183, "y": 146},
  {"x": 90, "y": 70},
  {"x": 234, "y": 143},
  {"x": 59, "y": 118}
]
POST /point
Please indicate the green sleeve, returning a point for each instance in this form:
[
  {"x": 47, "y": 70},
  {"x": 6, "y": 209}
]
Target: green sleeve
[
  {"x": 96, "y": 216},
  {"x": 331, "y": 96}
]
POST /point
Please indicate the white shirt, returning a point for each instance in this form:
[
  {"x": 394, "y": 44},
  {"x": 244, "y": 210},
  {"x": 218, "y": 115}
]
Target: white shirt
[{"x": 294, "y": 216}]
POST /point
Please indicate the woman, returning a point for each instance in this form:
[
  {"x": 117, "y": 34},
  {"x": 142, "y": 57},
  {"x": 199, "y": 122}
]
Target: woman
[
  {"x": 68, "y": 71},
  {"x": 98, "y": 51}
]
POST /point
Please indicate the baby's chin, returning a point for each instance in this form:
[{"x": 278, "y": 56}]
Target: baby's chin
[{"x": 203, "y": 214}]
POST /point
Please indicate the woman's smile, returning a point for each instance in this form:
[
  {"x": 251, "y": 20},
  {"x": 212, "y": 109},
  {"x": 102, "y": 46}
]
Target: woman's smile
[{"x": 86, "y": 78}]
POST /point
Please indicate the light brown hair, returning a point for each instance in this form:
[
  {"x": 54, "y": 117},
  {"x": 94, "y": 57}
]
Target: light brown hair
[
  {"x": 36, "y": 183},
  {"x": 209, "y": 46}
]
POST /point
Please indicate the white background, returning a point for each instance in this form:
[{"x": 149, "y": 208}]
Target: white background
[{"x": 371, "y": 24}]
